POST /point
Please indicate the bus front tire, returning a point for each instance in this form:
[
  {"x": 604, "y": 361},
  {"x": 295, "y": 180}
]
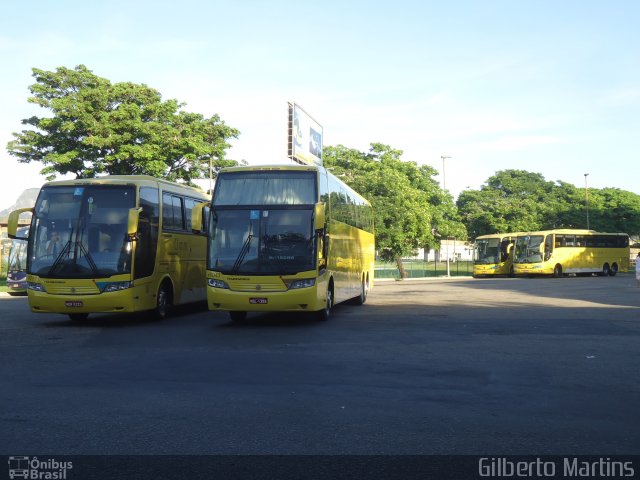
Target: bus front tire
[
  {"x": 324, "y": 314},
  {"x": 557, "y": 271},
  {"x": 163, "y": 302}
]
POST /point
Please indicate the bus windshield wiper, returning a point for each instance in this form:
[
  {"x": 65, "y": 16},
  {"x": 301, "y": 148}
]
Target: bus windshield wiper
[
  {"x": 243, "y": 253},
  {"x": 66, "y": 250},
  {"x": 62, "y": 255},
  {"x": 90, "y": 261}
]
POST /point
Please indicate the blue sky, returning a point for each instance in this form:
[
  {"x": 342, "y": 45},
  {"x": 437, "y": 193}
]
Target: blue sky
[{"x": 549, "y": 87}]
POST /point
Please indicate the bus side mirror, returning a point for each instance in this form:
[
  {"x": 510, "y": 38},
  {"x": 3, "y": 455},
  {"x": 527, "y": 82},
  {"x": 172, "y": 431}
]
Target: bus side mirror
[
  {"x": 319, "y": 215},
  {"x": 132, "y": 221},
  {"x": 12, "y": 222},
  {"x": 197, "y": 221}
]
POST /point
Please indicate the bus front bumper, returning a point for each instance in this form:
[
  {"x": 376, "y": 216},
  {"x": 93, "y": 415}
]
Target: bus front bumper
[
  {"x": 530, "y": 269},
  {"x": 111, "y": 302},
  {"x": 300, "y": 300}
]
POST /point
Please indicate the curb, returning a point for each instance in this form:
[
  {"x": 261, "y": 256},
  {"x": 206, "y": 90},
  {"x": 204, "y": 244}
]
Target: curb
[{"x": 442, "y": 278}]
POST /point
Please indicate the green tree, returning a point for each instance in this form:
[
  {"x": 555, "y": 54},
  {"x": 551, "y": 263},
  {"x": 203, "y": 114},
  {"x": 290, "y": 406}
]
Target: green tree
[
  {"x": 614, "y": 210},
  {"x": 517, "y": 200},
  {"x": 98, "y": 127},
  {"x": 411, "y": 211}
]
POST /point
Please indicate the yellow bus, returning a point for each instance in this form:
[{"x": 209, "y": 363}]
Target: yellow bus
[
  {"x": 287, "y": 238},
  {"x": 493, "y": 255},
  {"x": 113, "y": 244},
  {"x": 17, "y": 264},
  {"x": 570, "y": 251}
]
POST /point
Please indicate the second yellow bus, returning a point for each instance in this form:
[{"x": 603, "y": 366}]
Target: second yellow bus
[{"x": 571, "y": 251}]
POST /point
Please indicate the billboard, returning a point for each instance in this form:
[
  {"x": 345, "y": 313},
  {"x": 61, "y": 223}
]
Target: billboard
[{"x": 305, "y": 137}]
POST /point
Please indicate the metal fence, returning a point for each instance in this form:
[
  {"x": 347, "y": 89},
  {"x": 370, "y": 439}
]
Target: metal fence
[
  {"x": 414, "y": 268},
  {"x": 421, "y": 268}
]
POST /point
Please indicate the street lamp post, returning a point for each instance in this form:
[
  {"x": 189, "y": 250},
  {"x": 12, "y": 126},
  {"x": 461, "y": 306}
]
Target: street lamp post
[
  {"x": 444, "y": 178},
  {"x": 444, "y": 188},
  {"x": 586, "y": 197}
]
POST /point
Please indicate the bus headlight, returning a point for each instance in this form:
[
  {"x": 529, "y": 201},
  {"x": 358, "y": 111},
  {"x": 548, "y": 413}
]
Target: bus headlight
[
  {"x": 113, "y": 286},
  {"x": 36, "y": 287},
  {"x": 215, "y": 283},
  {"x": 307, "y": 282}
]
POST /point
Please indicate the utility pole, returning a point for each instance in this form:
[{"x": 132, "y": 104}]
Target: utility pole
[
  {"x": 586, "y": 197},
  {"x": 444, "y": 178},
  {"x": 444, "y": 188}
]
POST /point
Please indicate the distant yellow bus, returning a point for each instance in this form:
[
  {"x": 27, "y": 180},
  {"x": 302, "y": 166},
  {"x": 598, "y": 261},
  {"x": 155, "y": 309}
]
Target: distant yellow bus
[
  {"x": 493, "y": 255},
  {"x": 113, "y": 244},
  {"x": 570, "y": 251},
  {"x": 287, "y": 238},
  {"x": 17, "y": 264}
]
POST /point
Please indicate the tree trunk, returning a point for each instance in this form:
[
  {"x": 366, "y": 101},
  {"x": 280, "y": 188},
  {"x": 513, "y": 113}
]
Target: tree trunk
[{"x": 403, "y": 272}]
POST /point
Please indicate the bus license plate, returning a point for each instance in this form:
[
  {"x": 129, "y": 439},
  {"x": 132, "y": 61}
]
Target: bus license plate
[
  {"x": 74, "y": 304},
  {"x": 261, "y": 301}
]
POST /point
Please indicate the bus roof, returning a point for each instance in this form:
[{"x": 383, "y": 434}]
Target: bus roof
[
  {"x": 125, "y": 179},
  {"x": 275, "y": 166},
  {"x": 570, "y": 231},
  {"x": 498, "y": 235}
]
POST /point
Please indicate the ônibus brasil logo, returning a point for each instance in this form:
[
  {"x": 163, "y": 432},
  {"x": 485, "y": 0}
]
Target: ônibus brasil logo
[{"x": 33, "y": 468}]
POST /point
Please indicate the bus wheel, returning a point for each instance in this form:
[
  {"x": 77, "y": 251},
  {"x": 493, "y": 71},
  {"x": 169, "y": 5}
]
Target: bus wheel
[
  {"x": 78, "y": 317},
  {"x": 364, "y": 290},
  {"x": 613, "y": 270},
  {"x": 237, "y": 316},
  {"x": 162, "y": 303},
  {"x": 512, "y": 273},
  {"x": 557, "y": 271},
  {"x": 323, "y": 315},
  {"x": 605, "y": 270}
]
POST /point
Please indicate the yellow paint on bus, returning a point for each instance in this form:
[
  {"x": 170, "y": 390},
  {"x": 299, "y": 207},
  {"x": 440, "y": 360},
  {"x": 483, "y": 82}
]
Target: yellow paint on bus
[
  {"x": 114, "y": 244},
  {"x": 287, "y": 238},
  {"x": 571, "y": 251}
]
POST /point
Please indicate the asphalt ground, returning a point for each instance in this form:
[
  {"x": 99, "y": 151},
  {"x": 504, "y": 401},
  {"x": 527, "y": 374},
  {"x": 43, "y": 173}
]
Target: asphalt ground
[{"x": 443, "y": 366}]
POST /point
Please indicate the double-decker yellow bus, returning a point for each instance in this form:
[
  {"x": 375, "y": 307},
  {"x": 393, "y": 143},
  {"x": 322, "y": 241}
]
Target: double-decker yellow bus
[
  {"x": 493, "y": 255},
  {"x": 113, "y": 244},
  {"x": 570, "y": 251},
  {"x": 287, "y": 238}
]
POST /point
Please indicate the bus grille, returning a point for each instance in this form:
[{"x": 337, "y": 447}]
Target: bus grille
[
  {"x": 67, "y": 290},
  {"x": 258, "y": 285}
]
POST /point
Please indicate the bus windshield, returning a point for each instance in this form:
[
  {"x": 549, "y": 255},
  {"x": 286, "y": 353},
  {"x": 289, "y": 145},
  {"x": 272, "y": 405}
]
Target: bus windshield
[
  {"x": 528, "y": 249},
  {"x": 18, "y": 254},
  {"x": 262, "y": 242},
  {"x": 487, "y": 251},
  {"x": 81, "y": 231},
  {"x": 276, "y": 187}
]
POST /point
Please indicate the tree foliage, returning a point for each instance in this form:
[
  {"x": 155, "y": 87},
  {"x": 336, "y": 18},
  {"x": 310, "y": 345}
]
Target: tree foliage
[
  {"x": 411, "y": 211},
  {"x": 517, "y": 200},
  {"x": 98, "y": 127}
]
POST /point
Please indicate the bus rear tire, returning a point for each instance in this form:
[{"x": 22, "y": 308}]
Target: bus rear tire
[
  {"x": 78, "y": 317},
  {"x": 613, "y": 270},
  {"x": 237, "y": 316},
  {"x": 606, "y": 270},
  {"x": 364, "y": 290}
]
